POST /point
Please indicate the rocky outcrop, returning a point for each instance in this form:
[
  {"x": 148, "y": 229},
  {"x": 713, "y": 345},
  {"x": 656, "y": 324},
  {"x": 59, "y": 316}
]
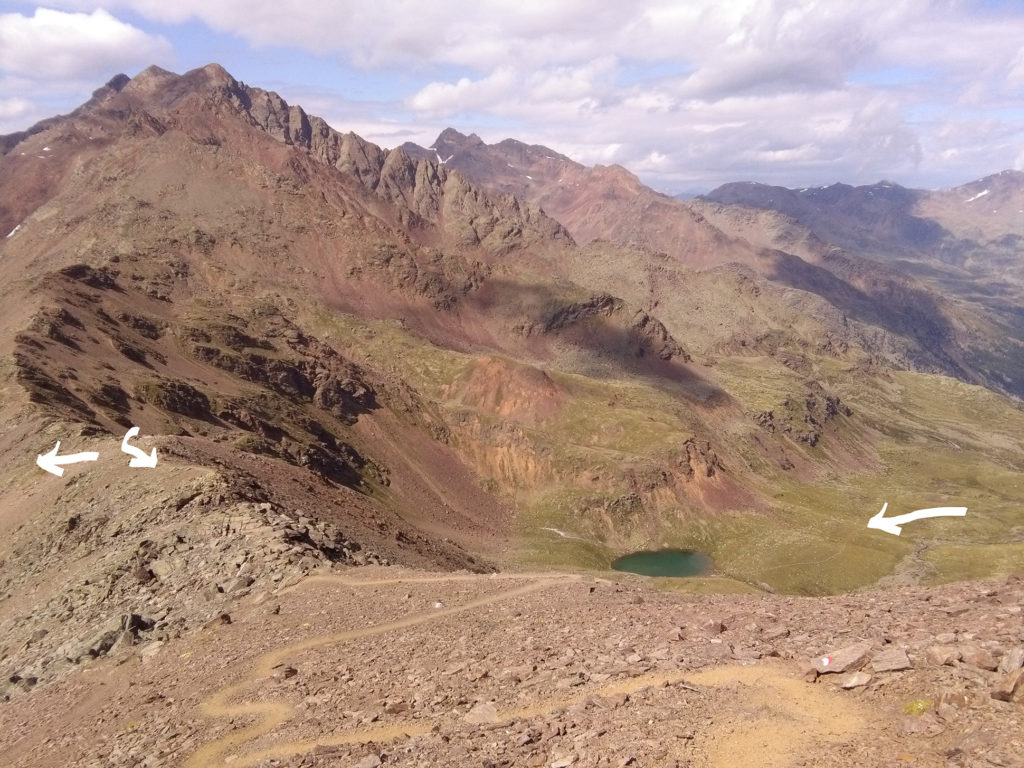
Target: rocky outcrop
[
  {"x": 175, "y": 396},
  {"x": 644, "y": 335},
  {"x": 804, "y": 421},
  {"x": 162, "y": 581},
  {"x": 700, "y": 459}
]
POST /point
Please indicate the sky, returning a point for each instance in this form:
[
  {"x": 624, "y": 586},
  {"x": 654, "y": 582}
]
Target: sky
[{"x": 687, "y": 94}]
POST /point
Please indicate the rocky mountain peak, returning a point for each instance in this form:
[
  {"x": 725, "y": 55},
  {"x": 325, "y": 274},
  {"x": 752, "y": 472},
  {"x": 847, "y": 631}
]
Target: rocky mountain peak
[
  {"x": 450, "y": 137},
  {"x": 114, "y": 84},
  {"x": 149, "y": 82},
  {"x": 450, "y": 141}
]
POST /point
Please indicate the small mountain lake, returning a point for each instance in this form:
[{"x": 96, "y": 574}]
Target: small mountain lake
[{"x": 666, "y": 562}]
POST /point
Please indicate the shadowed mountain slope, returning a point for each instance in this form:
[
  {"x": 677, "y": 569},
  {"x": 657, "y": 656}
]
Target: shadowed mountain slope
[{"x": 827, "y": 242}]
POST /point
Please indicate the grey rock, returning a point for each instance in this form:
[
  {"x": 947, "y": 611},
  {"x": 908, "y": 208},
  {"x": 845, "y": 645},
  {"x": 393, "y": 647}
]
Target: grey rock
[
  {"x": 240, "y": 583},
  {"x": 855, "y": 680},
  {"x": 1012, "y": 660},
  {"x": 162, "y": 569},
  {"x": 891, "y": 660}
]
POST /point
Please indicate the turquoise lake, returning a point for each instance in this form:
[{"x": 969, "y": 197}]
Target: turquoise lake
[{"x": 666, "y": 562}]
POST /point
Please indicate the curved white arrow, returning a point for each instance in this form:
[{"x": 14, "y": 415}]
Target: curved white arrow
[
  {"x": 140, "y": 459},
  {"x": 892, "y": 524},
  {"x": 51, "y": 461}
]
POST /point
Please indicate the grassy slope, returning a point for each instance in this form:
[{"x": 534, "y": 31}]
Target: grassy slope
[{"x": 917, "y": 441}]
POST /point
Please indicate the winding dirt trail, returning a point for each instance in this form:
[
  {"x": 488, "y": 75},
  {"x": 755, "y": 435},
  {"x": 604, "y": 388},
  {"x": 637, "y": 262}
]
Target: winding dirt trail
[
  {"x": 271, "y": 714},
  {"x": 767, "y": 717}
]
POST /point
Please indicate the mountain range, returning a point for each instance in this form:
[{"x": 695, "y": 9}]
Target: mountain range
[{"x": 477, "y": 357}]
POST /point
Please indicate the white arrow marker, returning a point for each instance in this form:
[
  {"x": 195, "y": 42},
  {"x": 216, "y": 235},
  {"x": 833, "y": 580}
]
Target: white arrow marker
[
  {"x": 51, "y": 461},
  {"x": 892, "y": 524},
  {"x": 141, "y": 459}
]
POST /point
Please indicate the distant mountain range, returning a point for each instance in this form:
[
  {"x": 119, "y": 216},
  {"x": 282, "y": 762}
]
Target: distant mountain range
[{"x": 883, "y": 254}]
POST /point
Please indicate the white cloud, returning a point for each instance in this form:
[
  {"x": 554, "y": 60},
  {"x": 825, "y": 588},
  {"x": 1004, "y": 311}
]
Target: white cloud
[
  {"x": 54, "y": 44},
  {"x": 465, "y": 94},
  {"x": 13, "y": 109}
]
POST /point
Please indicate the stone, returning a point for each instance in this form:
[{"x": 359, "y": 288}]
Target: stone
[
  {"x": 482, "y": 713},
  {"x": 564, "y": 762},
  {"x": 240, "y": 583},
  {"x": 939, "y": 655},
  {"x": 1008, "y": 685},
  {"x": 953, "y": 700},
  {"x": 890, "y": 660},
  {"x": 713, "y": 627},
  {"x": 396, "y": 708},
  {"x": 978, "y": 657},
  {"x": 1012, "y": 660},
  {"x": 162, "y": 569},
  {"x": 852, "y": 657},
  {"x": 370, "y": 761},
  {"x": 855, "y": 680}
]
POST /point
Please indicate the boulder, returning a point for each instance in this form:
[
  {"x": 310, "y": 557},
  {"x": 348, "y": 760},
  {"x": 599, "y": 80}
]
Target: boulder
[
  {"x": 163, "y": 569},
  {"x": 939, "y": 655},
  {"x": 978, "y": 657},
  {"x": 855, "y": 680},
  {"x": 847, "y": 659},
  {"x": 1008, "y": 685},
  {"x": 1012, "y": 660},
  {"x": 891, "y": 660}
]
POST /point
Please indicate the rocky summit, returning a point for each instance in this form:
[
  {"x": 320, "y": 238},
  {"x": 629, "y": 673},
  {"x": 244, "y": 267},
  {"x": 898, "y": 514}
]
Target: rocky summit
[{"x": 317, "y": 453}]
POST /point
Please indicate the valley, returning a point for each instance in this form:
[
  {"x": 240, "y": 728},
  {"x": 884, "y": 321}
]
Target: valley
[{"x": 410, "y": 404}]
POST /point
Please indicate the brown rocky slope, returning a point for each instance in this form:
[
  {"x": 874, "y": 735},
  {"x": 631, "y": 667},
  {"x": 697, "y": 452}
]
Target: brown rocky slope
[{"x": 336, "y": 351}]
